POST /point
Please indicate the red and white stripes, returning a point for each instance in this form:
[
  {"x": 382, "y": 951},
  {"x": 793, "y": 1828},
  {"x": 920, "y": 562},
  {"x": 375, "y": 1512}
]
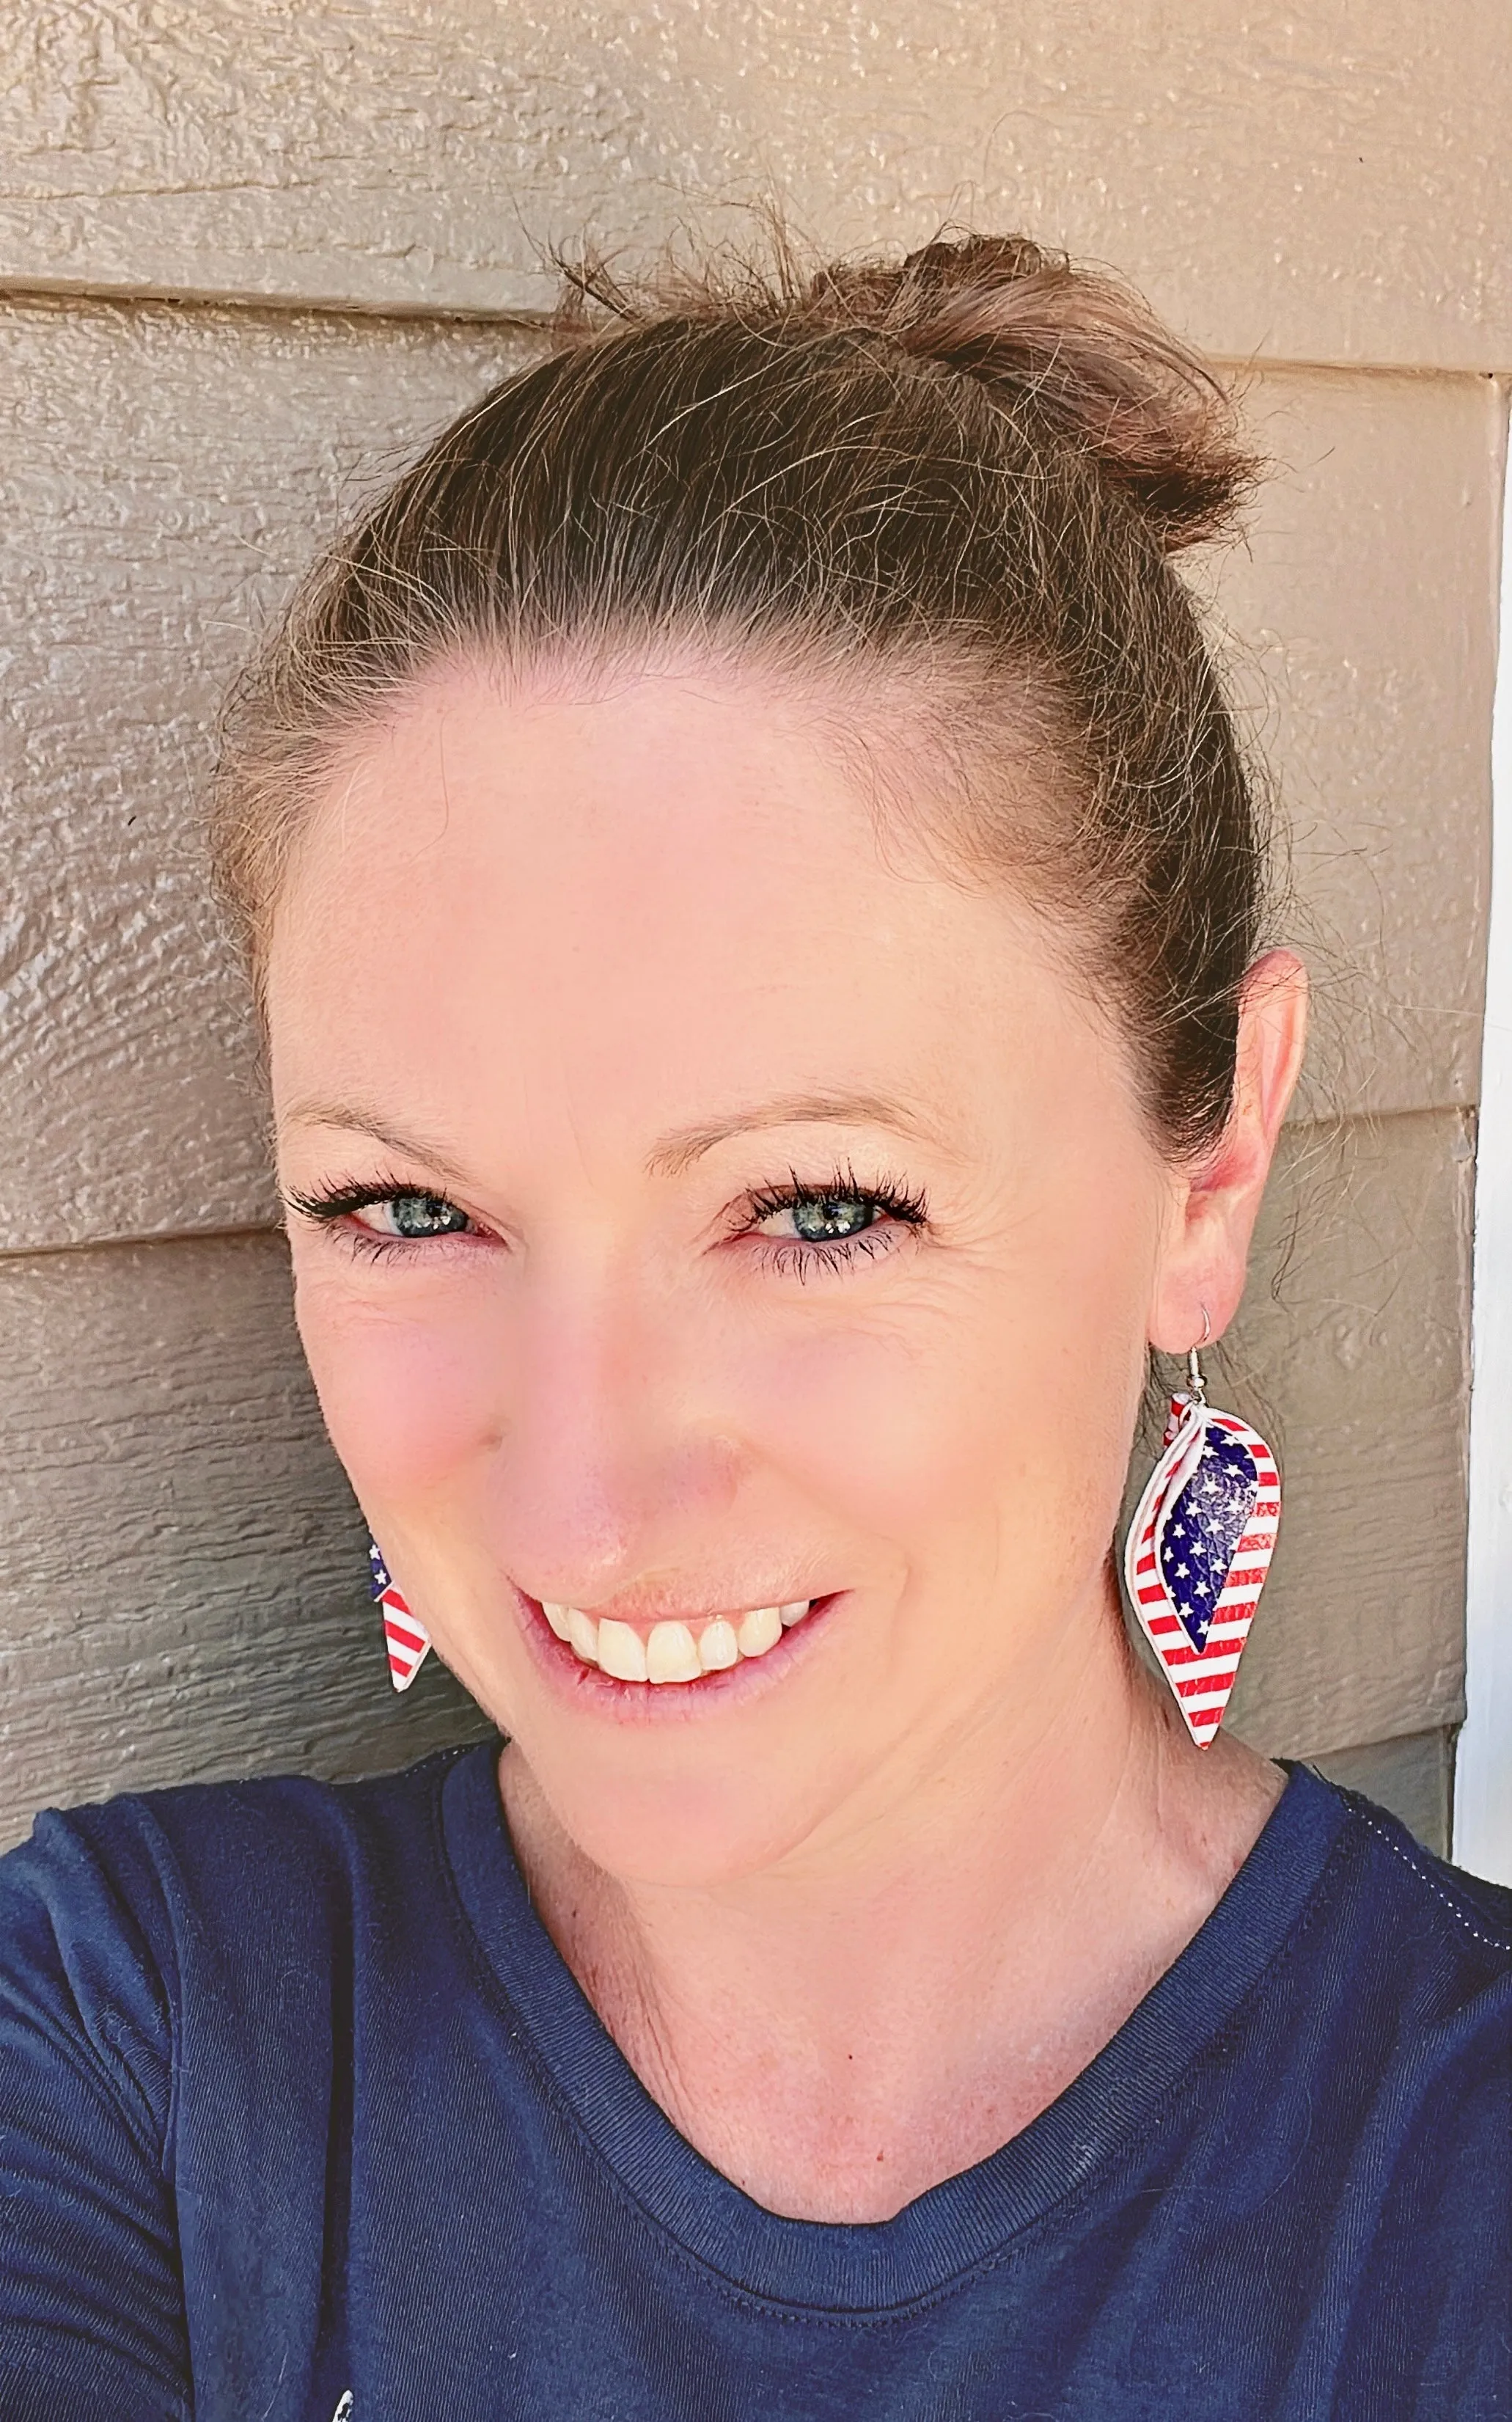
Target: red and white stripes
[
  {"x": 1201, "y": 1679},
  {"x": 405, "y": 1637}
]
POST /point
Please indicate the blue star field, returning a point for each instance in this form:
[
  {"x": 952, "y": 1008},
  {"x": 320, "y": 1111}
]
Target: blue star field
[{"x": 1203, "y": 1529}]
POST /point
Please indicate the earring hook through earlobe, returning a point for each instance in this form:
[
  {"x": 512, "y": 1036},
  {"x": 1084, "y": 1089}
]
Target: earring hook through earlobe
[{"x": 1194, "y": 1379}]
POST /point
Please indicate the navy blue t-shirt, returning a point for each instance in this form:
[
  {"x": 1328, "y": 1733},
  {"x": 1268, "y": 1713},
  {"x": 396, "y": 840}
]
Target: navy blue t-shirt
[{"x": 303, "y": 2116}]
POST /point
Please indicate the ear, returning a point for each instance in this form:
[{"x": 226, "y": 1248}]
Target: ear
[{"x": 1214, "y": 1205}]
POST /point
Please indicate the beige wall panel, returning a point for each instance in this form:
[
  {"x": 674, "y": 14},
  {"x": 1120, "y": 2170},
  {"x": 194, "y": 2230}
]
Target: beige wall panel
[
  {"x": 182, "y": 1569},
  {"x": 163, "y": 474},
  {"x": 1362, "y": 614},
  {"x": 1350, "y": 1354},
  {"x": 181, "y": 1592},
  {"x": 1330, "y": 183},
  {"x": 1413, "y": 1776}
]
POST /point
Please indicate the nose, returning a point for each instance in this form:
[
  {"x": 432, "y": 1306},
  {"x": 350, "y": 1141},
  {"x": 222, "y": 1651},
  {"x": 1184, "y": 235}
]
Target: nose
[{"x": 611, "y": 1468}]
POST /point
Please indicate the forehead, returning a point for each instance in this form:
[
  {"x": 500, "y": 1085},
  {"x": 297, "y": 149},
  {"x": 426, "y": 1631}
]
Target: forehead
[{"x": 664, "y": 884}]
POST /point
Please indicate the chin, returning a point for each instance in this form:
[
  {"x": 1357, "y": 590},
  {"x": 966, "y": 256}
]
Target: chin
[
  {"x": 655, "y": 1821},
  {"x": 695, "y": 1782}
]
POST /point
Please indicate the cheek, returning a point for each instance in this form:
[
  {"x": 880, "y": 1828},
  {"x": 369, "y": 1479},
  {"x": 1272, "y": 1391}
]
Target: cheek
[
  {"x": 410, "y": 1395},
  {"x": 887, "y": 1427},
  {"x": 914, "y": 1424},
  {"x": 995, "y": 1405},
  {"x": 960, "y": 1409}
]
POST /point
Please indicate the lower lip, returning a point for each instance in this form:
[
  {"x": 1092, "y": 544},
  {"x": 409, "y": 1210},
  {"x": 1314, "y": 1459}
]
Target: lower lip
[{"x": 592, "y": 1691}]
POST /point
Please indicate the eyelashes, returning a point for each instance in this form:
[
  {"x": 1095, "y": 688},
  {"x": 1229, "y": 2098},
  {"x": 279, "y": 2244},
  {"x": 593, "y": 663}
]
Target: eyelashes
[
  {"x": 823, "y": 1207},
  {"x": 423, "y": 1213},
  {"x": 836, "y": 1222},
  {"x": 420, "y": 1217}
]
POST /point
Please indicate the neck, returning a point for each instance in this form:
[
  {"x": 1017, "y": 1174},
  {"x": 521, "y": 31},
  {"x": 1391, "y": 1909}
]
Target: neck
[{"x": 947, "y": 1965}]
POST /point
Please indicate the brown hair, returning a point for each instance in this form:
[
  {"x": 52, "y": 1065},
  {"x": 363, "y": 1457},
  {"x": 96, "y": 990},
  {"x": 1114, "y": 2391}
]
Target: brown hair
[{"x": 971, "y": 467}]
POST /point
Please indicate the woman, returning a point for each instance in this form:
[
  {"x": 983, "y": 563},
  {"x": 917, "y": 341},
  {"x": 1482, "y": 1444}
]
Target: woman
[{"x": 756, "y": 910}]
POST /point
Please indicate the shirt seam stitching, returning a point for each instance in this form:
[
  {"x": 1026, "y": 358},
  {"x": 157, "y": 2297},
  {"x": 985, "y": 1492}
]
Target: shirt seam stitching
[{"x": 1493, "y": 1942}]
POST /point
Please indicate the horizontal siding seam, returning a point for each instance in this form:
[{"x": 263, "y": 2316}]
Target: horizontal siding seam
[{"x": 536, "y": 319}]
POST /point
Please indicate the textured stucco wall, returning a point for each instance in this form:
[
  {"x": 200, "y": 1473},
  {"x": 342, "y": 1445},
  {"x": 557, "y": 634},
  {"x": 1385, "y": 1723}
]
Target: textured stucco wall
[
  {"x": 251, "y": 255},
  {"x": 1328, "y": 183}
]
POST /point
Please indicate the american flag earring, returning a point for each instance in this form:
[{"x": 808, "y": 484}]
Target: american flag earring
[
  {"x": 405, "y": 1636},
  {"x": 1199, "y": 1547}
]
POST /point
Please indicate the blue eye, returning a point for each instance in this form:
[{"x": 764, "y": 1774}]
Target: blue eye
[
  {"x": 828, "y": 1225},
  {"x": 376, "y": 1216},
  {"x": 829, "y": 1218},
  {"x": 413, "y": 1216},
  {"x": 833, "y": 1224}
]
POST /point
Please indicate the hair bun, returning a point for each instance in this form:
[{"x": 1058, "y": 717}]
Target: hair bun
[{"x": 1080, "y": 349}]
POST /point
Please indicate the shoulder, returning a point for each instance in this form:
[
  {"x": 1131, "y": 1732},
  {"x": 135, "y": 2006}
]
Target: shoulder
[
  {"x": 1439, "y": 1918},
  {"x": 1397, "y": 1975},
  {"x": 290, "y": 1823},
  {"x": 114, "y": 1906}
]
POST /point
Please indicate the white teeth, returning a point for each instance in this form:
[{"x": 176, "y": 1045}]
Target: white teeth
[
  {"x": 583, "y": 1633},
  {"x": 621, "y": 1651},
  {"x": 718, "y": 1646},
  {"x": 671, "y": 1654},
  {"x": 759, "y": 1631}
]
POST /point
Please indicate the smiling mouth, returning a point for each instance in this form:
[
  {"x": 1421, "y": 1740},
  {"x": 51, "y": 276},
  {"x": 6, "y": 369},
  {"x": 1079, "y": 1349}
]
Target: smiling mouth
[{"x": 674, "y": 1652}]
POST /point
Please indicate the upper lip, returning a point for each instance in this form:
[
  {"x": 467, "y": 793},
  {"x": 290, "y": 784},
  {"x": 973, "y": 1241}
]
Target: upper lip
[{"x": 711, "y": 1608}]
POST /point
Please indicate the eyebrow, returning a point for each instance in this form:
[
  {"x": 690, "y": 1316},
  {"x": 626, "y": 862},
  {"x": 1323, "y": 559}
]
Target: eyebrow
[
  {"x": 677, "y": 1152},
  {"x": 354, "y": 1117}
]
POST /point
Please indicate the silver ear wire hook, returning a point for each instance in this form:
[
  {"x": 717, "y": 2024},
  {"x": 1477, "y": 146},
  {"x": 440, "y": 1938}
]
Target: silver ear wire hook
[{"x": 1197, "y": 1388}]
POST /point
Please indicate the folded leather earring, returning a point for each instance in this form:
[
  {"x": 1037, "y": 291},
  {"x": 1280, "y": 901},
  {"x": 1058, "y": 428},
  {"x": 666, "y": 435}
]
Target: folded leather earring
[
  {"x": 1199, "y": 1547},
  {"x": 405, "y": 1636}
]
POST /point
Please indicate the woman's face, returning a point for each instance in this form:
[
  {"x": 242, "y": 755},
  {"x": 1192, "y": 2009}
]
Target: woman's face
[{"x": 706, "y": 1212}]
